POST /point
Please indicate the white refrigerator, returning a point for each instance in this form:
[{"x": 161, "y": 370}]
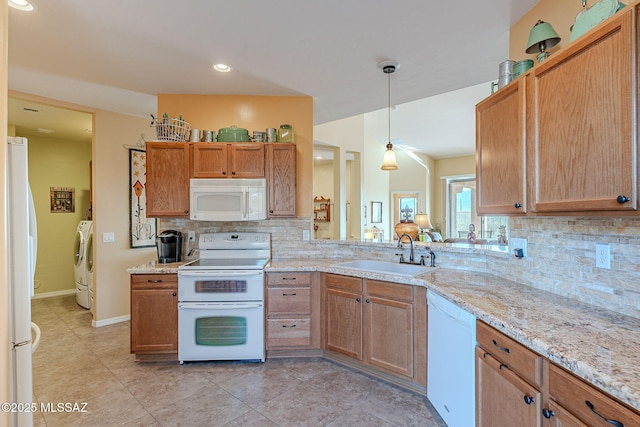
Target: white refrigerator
[{"x": 22, "y": 238}]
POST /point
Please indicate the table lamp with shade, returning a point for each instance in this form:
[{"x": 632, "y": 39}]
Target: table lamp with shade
[
  {"x": 541, "y": 38},
  {"x": 422, "y": 219}
]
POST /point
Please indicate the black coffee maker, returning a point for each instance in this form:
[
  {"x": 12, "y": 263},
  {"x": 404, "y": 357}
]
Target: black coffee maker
[{"x": 169, "y": 245}]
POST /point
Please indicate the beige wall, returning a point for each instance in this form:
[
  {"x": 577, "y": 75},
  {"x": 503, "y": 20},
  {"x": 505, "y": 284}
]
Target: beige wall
[
  {"x": 254, "y": 113},
  {"x": 560, "y": 14},
  {"x": 465, "y": 165},
  {"x": 4, "y": 288},
  {"x": 57, "y": 163}
]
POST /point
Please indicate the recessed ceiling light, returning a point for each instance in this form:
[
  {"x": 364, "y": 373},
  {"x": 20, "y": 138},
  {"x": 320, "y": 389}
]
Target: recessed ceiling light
[
  {"x": 21, "y": 5},
  {"x": 223, "y": 68}
]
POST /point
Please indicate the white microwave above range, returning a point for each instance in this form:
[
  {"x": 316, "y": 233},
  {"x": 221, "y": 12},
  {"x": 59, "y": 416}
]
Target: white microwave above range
[{"x": 228, "y": 199}]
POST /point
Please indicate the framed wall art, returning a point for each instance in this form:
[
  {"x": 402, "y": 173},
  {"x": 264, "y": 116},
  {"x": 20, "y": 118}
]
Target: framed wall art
[
  {"x": 376, "y": 211},
  {"x": 143, "y": 230},
  {"x": 63, "y": 199}
]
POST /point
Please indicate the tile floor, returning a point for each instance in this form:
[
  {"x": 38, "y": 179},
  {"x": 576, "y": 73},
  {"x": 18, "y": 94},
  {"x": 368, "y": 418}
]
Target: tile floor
[{"x": 76, "y": 363}]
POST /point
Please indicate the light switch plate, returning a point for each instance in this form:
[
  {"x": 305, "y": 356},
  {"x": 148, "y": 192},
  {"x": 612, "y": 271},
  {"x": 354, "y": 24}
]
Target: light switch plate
[
  {"x": 306, "y": 235},
  {"x": 109, "y": 237},
  {"x": 191, "y": 236}
]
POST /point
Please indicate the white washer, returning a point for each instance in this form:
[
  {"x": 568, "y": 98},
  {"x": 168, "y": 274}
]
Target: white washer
[
  {"x": 79, "y": 263},
  {"x": 89, "y": 266}
]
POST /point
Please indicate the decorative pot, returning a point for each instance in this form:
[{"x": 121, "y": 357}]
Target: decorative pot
[{"x": 408, "y": 227}]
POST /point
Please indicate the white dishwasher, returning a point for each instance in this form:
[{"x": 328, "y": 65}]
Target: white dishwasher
[{"x": 451, "y": 362}]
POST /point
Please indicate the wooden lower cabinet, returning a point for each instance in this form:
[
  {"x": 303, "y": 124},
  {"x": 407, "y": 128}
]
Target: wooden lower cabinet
[
  {"x": 293, "y": 323},
  {"x": 517, "y": 387},
  {"x": 154, "y": 316},
  {"x": 380, "y": 326},
  {"x": 503, "y": 398}
]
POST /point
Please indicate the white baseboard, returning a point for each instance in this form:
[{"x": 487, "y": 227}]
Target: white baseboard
[
  {"x": 55, "y": 294},
  {"x": 110, "y": 321}
]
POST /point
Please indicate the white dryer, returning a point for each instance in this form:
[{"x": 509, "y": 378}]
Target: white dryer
[
  {"x": 89, "y": 265},
  {"x": 80, "y": 266}
]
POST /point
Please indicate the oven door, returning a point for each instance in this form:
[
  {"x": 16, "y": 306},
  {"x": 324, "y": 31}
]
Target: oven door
[
  {"x": 220, "y": 285},
  {"x": 220, "y": 331}
]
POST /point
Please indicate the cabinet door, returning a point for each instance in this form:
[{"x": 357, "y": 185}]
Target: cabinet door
[
  {"x": 167, "y": 179},
  {"x": 246, "y": 160},
  {"x": 389, "y": 335},
  {"x": 582, "y": 144},
  {"x": 555, "y": 415},
  {"x": 154, "y": 314},
  {"x": 281, "y": 179},
  {"x": 503, "y": 398},
  {"x": 209, "y": 160},
  {"x": 501, "y": 149},
  {"x": 343, "y": 322}
]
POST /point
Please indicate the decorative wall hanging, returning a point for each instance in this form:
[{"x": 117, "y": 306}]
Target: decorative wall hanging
[
  {"x": 143, "y": 230},
  {"x": 63, "y": 199}
]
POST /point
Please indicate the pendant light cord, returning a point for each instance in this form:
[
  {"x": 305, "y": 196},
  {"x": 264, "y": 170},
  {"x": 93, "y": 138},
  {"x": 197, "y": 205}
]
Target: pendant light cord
[{"x": 389, "y": 99}]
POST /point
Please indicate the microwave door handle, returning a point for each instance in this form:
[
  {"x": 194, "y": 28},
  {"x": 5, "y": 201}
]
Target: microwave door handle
[{"x": 245, "y": 190}]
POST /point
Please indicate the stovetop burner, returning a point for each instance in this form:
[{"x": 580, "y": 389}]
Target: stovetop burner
[{"x": 232, "y": 251}]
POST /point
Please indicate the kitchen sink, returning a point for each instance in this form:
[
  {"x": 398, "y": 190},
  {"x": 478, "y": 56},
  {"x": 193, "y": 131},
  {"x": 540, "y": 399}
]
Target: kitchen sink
[{"x": 385, "y": 267}]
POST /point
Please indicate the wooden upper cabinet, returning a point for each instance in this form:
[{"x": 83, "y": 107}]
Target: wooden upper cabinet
[
  {"x": 281, "y": 179},
  {"x": 221, "y": 160},
  {"x": 246, "y": 160},
  {"x": 501, "y": 148},
  {"x": 208, "y": 160},
  {"x": 582, "y": 141},
  {"x": 167, "y": 181}
]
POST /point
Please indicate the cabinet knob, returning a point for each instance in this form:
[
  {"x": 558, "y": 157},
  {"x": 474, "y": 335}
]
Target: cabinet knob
[
  {"x": 528, "y": 399},
  {"x": 224, "y": 173},
  {"x": 367, "y": 300},
  {"x": 358, "y": 299},
  {"x": 547, "y": 413},
  {"x": 233, "y": 173},
  {"x": 174, "y": 294},
  {"x": 517, "y": 205},
  {"x": 271, "y": 211},
  {"x": 622, "y": 199},
  {"x": 186, "y": 211}
]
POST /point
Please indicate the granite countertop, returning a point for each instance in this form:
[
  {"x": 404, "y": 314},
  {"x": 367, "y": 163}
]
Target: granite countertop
[{"x": 597, "y": 345}]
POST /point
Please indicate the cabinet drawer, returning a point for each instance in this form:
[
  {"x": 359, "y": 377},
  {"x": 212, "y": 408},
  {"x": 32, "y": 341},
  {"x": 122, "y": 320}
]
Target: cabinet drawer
[
  {"x": 390, "y": 290},
  {"x": 154, "y": 281},
  {"x": 573, "y": 393},
  {"x": 289, "y": 300},
  {"x": 294, "y": 278},
  {"x": 517, "y": 357},
  {"x": 289, "y": 332},
  {"x": 344, "y": 282}
]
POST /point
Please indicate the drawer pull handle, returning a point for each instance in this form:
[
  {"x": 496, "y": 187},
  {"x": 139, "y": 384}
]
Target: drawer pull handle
[
  {"x": 592, "y": 409},
  {"x": 289, "y": 295},
  {"x": 505, "y": 349},
  {"x": 528, "y": 399},
  {"x": 292, "y": 326},
  {"x": 502, "y": 365},
  {"x": 154, "y": 281},
  {"x": 547, "y": 413},
  {"x": 288, "y": 278}
]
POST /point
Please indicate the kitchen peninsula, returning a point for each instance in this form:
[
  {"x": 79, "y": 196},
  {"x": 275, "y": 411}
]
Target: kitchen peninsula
[{"x": 595, "y": 344}]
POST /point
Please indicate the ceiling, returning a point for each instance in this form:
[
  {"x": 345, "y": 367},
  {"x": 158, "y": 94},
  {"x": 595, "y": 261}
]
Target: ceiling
[{"x": 325, "y": 49}]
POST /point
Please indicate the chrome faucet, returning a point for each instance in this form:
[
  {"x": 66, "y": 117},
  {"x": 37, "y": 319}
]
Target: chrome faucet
[{"x": 400, "y": 245}]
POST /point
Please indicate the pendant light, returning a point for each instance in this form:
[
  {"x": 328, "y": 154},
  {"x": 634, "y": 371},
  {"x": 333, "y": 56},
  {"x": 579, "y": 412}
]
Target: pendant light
[{"x": 389, "y": 160}]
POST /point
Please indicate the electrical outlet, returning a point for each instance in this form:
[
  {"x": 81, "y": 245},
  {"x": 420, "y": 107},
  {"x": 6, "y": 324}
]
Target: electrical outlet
[
  {"x": 191, "y": 236},
  {"x": 518, "y": 243},
  {"x": 108, "y": 237},
  {"x": 603, "y": 256},
  {"x": 306, "y": 235}
]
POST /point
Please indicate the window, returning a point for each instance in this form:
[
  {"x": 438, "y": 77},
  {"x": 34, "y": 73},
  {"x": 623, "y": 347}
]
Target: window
[{"x": 462, "y": 218}]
